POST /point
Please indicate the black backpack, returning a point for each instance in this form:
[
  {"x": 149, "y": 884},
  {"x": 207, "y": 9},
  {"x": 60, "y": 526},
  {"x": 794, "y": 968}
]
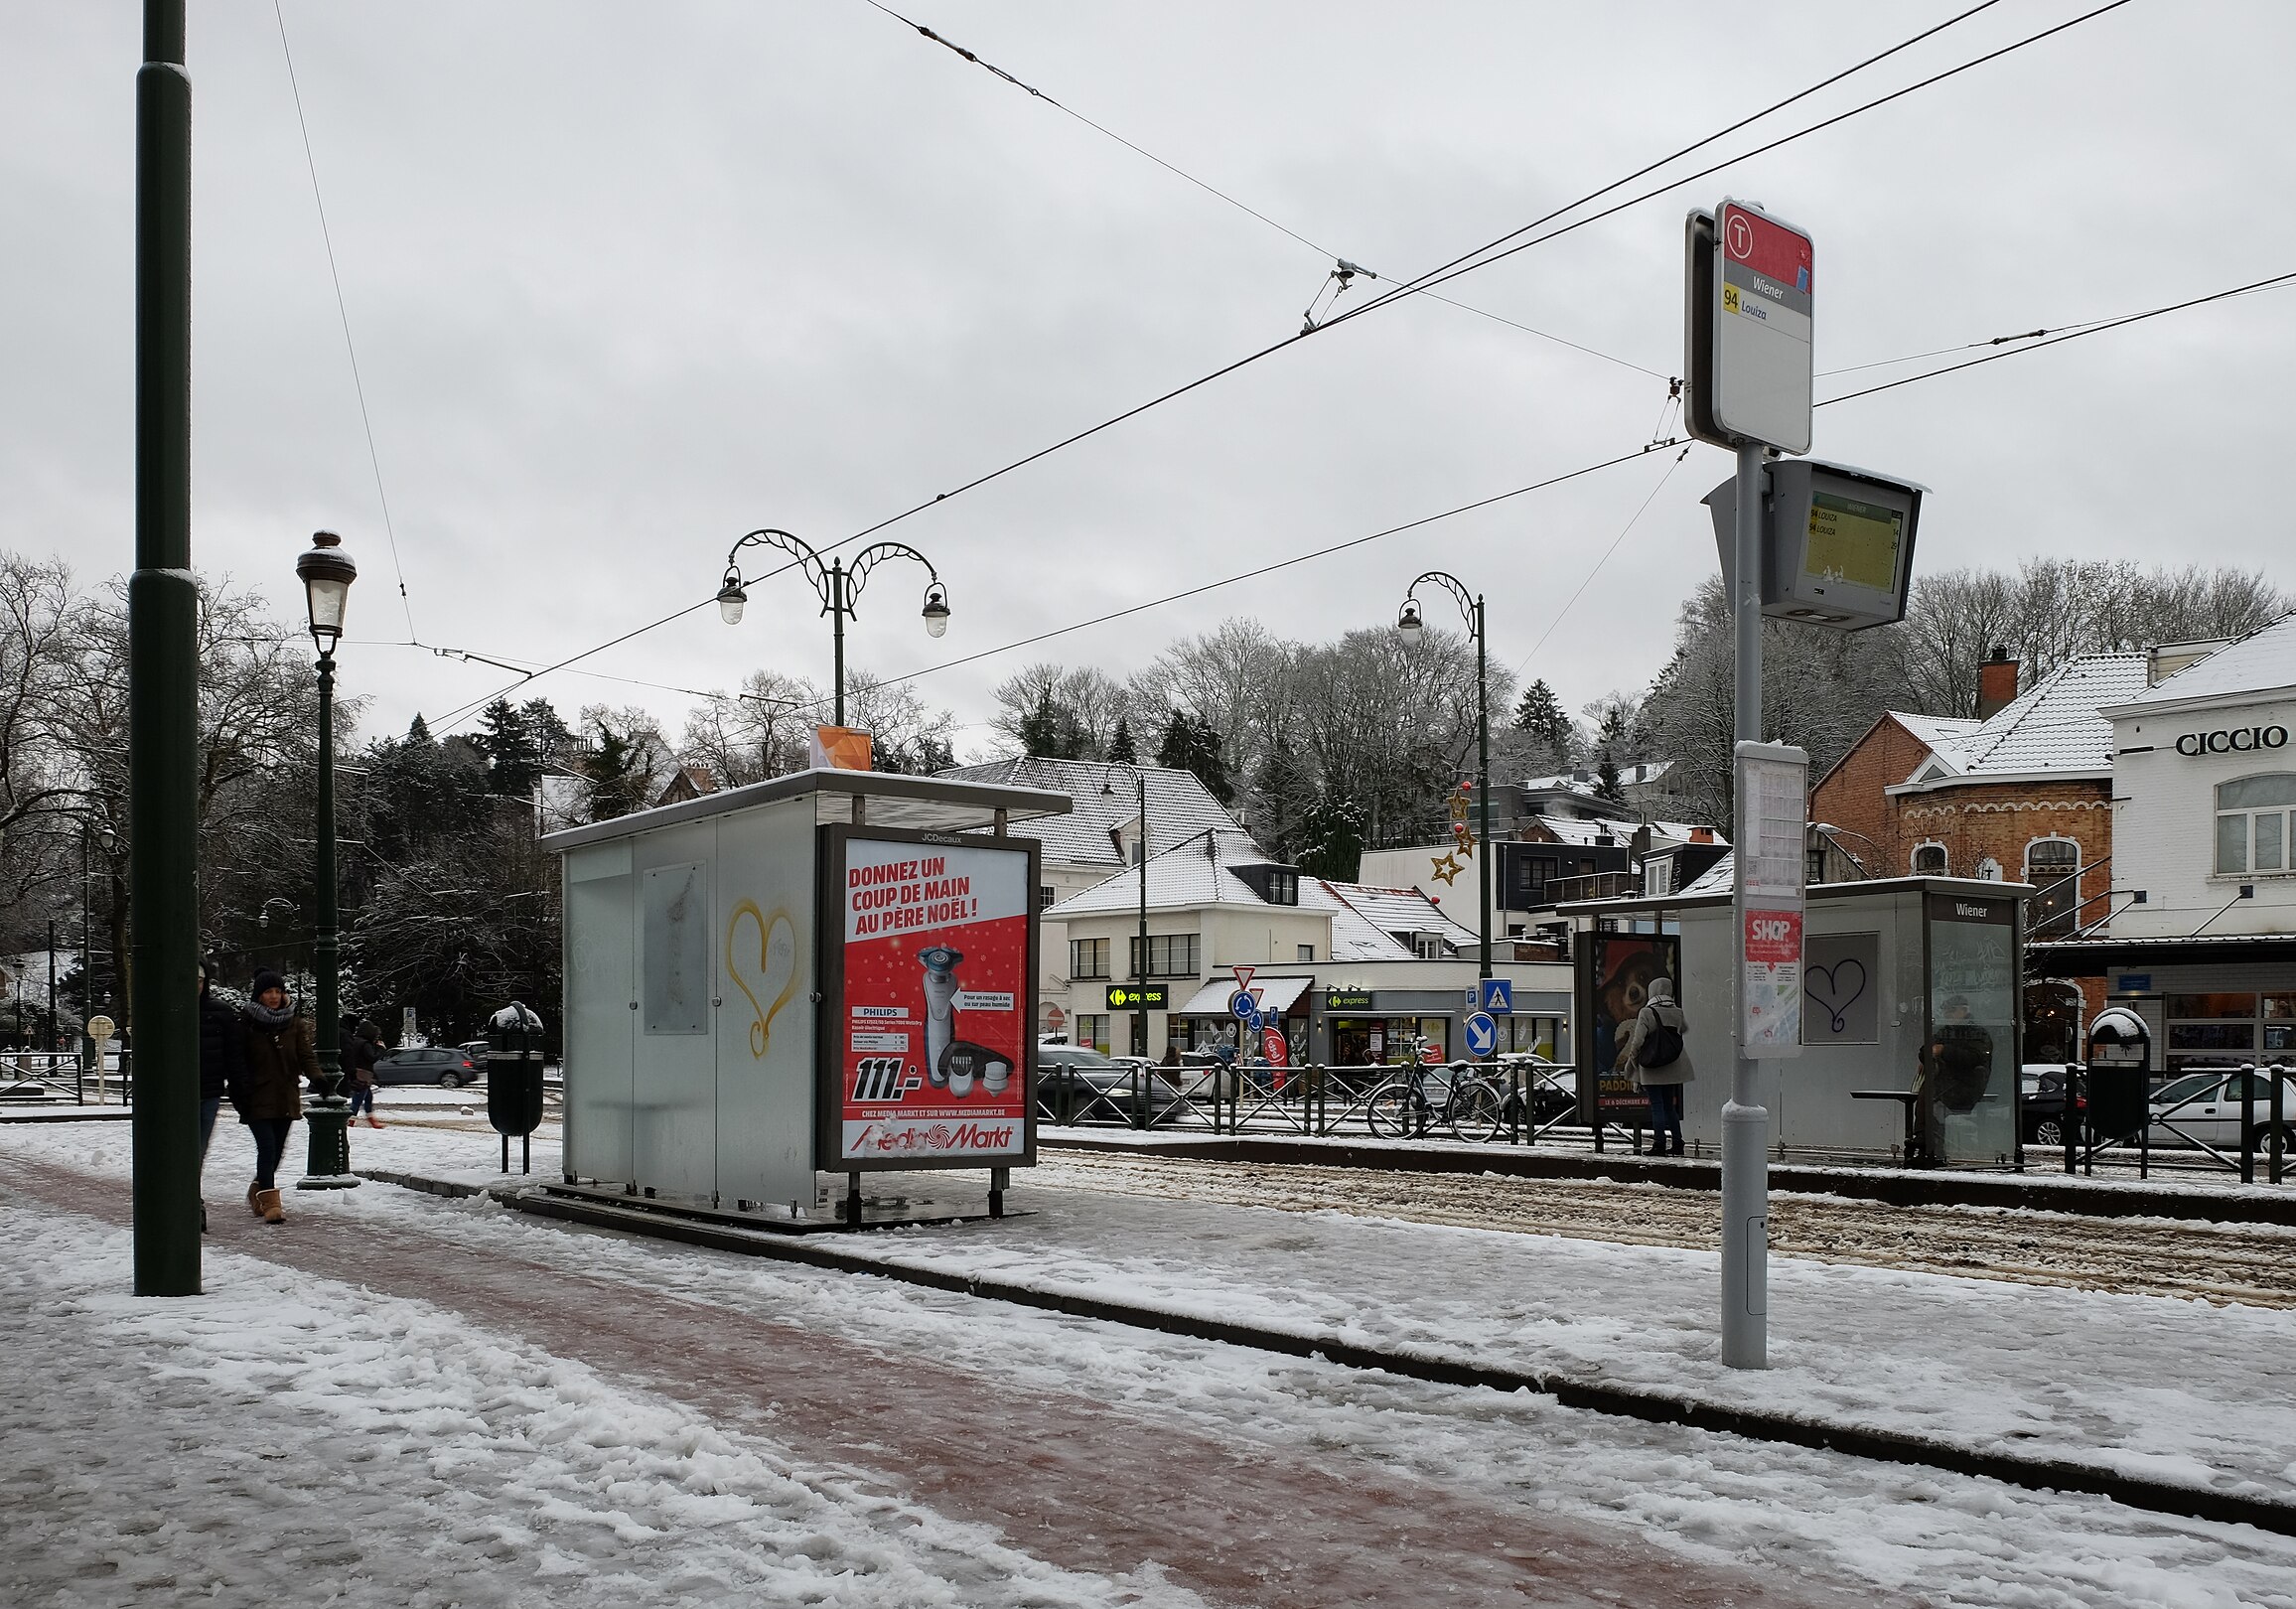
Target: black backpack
[{"x": 1660, "y": 1047}]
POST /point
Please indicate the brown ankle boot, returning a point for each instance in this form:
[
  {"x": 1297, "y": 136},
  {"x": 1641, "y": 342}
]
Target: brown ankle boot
[
  {"x": 267, "y": 1203},
  {"x": 253, "y": 1191}
]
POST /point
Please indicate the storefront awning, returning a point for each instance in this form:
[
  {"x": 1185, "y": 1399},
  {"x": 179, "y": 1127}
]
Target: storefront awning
[{"x": 1276, "y": 995}]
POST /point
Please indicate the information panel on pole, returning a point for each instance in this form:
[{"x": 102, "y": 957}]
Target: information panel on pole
[
  {"x": 929, "y": 967},
  {"x": 1748, "y": 349},
  {"x": 1773, "y": 788}
]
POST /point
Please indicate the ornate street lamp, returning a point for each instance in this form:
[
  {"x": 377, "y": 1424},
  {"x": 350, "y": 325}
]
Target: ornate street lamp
[
  {"x": 1413, "y": 626},
  {"x": 838, "y": 582},
  {"x": 327, "y": 573}
]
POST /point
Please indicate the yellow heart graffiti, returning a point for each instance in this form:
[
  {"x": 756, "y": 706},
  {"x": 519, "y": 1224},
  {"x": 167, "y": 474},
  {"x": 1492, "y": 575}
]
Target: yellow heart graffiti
[{"x": 777, "y": 956}]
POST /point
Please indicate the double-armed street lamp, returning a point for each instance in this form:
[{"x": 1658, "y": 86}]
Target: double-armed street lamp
[
  {"x": 327, "y": 573},
  {"x": 1411, "y": 624},
  {"x": 837, "y": 581}
]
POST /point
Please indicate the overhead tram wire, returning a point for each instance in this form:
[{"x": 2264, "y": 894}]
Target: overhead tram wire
[
  {"x": 1214, "y": 190},
  {"x": 343, "y": 311},
  {"x": 1416, "y": 286},
  {"x": 1474, "y": 260},
  {"x": 1571, "y": 475}
]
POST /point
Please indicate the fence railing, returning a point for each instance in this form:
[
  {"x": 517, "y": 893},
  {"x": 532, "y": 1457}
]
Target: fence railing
[
  {"x": 1513, "y": 1101},
  {"x": 2116, "y": 1127},
  {"x": 30, "y": 1077}
]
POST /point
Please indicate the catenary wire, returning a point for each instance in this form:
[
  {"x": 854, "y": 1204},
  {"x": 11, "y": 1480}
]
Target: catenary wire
[
  {"x": 343, "y": 310},
  {"x": 1463, "y": 265},
  {"x": 2272, "y": 283},
  {"x": 1417, "y": 286},
  {"x": 1240, "y": 205},
  {"x": 1632, "y": 522}
]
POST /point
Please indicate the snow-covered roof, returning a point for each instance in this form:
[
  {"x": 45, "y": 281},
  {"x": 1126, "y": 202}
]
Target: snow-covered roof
[
  {"x": 2054, "y": 729},
  {"x": 1940, "y": 732},
  {"x": 1192, "y": 872},
  {"x": 1366, "y": 920},
  {"x": 1583, "y": 832},
  {"x": 1106, "y": 802},
  {"x": 2260, "y": 662},
  {"x": 1719, "y": 878}
]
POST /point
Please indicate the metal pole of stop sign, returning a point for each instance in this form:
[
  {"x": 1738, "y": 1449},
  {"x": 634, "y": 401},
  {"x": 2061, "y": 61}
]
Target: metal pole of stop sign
[{"x": 1745, "y": 1121}]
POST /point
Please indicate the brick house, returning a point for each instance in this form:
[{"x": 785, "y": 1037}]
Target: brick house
[{"x": 2024, "y": 795}]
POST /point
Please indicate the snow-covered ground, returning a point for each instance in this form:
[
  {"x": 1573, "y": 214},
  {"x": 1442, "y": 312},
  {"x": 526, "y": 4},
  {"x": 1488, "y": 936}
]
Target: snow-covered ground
[{"x": 415, "y": 1456}]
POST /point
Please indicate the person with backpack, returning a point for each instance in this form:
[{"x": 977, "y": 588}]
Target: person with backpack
[{"x": 1660, "y": 1062}]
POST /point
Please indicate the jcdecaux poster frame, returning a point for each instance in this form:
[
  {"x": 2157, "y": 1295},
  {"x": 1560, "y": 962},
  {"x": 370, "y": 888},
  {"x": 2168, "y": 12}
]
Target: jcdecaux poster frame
[{"x": 927, "y": 1054}]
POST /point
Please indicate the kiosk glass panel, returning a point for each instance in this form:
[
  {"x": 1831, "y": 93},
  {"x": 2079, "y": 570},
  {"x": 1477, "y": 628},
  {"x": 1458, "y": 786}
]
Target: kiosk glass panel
[{"x": 1970, "y": 1058}]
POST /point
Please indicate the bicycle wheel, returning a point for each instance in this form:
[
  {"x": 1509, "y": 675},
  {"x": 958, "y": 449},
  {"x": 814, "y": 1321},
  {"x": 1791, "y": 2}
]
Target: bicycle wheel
[
  {"x": 1389, "y": 1110},
  {"x": 1478, "y": 1112}
]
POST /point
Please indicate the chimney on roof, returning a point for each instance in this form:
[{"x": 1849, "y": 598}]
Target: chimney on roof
[{"x": 1997, "y": 683}]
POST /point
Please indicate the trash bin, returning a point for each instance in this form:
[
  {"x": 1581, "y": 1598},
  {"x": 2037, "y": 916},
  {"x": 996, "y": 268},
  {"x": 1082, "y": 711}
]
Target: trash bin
[{"x": 514, "y": 1078}]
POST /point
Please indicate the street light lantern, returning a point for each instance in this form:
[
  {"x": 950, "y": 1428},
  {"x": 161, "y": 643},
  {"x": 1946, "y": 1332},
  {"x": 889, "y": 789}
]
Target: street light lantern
[
  {"x": 731, "y": 597},
  {"x": 327, "y": 573},
  {"x": 935, "y": 610},
  {"x": 1407, "y": 620}
]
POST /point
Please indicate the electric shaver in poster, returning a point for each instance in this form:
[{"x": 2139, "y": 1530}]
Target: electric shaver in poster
[{"x": 950, "y": 1062}]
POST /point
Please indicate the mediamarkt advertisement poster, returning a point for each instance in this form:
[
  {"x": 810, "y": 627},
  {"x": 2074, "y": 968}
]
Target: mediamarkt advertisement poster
[{"x": 929, "y": 1020}]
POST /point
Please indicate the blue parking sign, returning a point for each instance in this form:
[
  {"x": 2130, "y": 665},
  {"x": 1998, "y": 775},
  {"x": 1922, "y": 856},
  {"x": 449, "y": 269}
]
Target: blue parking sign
[
  {"x": 1498, "y": 996},
  {"x": 1481, "y": 1034}
]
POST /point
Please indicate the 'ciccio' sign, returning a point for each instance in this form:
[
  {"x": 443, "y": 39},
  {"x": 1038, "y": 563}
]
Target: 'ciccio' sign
[{"x": 2233, "y": 740}]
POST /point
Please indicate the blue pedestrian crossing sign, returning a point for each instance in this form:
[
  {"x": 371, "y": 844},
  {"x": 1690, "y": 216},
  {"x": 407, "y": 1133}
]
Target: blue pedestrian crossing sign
[
  {"x": 1498, "y": 996},
  {"x": 1481, "y": 1034}
]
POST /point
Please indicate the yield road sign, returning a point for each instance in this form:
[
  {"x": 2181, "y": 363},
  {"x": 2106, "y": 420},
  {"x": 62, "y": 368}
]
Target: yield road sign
[
  {"x": 1244, "y": 975},
  {"x": 1481, "y": 1034},
  {"x": 1498, "y": 996}
]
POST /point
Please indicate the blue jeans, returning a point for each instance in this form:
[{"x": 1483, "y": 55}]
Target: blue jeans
[
  {"x": 1666, "y": 1114},
  {"x": 270, "y": 1144},
  {"x": 361, "y": 1100},
  {"x": 208, "y": 1110}
]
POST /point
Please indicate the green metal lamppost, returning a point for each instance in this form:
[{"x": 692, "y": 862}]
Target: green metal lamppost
[
  {"x": 327, "y": 573},
  {"x": 1408, "y": 622},
  {"x": 838, "y": 582}
]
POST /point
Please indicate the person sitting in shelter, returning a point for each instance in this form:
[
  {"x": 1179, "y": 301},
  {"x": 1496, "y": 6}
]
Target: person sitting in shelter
[{"x": 1957, "y": 1063}]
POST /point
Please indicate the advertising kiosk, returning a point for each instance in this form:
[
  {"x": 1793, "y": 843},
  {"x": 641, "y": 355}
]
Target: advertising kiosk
[{"x": 828, "y": 972}]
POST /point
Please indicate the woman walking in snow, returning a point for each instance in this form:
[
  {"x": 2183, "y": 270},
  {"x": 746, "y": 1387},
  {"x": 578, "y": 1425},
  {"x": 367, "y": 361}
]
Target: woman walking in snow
[
  {"x": 269, "y": 1095},
  {"x": 222, "y": 1063}
]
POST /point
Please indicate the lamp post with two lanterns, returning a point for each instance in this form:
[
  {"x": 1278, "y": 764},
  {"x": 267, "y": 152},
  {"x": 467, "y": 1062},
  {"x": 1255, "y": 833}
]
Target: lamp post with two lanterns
[
  {"x": 1411, "y": 624},
  {"x": 327, "y": 573},
  {"x": 837, "y": 581}
]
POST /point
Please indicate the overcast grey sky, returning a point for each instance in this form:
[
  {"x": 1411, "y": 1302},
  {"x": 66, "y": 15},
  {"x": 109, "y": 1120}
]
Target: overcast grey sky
[{"x": 629, "y": 280}]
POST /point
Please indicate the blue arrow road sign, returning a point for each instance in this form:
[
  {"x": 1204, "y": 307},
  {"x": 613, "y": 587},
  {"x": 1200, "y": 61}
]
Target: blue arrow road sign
[
  {"x": 1241, "y": 1006},
  {"x": 1481, "y": 1034},
  {"x": 1498, "y": 996}
]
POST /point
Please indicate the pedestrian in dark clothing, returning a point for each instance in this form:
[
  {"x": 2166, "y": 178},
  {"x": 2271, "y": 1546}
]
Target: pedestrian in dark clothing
[
  {"x": 361, "y": 1049},
  {"x": 1660, "y": 1063},
  {"x": 222, "y": 1062},
  {"x": 269, "y": 1094}
]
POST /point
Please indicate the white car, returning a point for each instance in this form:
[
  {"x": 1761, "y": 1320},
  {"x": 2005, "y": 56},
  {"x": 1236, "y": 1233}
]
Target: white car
[{"x": 2204, "y": 1108}]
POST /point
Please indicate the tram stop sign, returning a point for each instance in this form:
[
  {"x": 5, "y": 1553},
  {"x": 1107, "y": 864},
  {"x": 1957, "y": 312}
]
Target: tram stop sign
[
  {"x": 1837, "y": 542},
  {"x": 1748, "y": 291}
]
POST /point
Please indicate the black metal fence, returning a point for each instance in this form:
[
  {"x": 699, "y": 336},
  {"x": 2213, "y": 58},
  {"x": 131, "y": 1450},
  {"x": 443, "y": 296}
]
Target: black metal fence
[
  {"x": 1515, "y": 1102},
  {"x": 2112, "y": 1113}
]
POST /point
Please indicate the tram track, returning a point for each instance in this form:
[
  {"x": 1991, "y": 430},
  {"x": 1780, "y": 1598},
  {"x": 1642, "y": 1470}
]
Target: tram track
[{"x": 2209, "y": 1261}]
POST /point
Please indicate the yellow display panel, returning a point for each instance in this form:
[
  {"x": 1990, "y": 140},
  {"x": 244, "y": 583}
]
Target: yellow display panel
[{"x": 1853, "y": 542}]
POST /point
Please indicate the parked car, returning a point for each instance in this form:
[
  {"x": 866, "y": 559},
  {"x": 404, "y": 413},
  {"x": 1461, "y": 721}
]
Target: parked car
[
  {"x": 448, "y": 1065},
  {"x": 1075, "y": 1083},
  {"x": 2203, "y": 1107},
  {"x": 2040, "y": 1086}
]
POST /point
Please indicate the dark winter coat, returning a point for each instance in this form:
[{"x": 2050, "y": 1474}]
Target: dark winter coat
[
  {"x": 1660, "y": 1011},
  {"x": 223, "y": 1048},
  {"x": 360, "y": 1054},
  {"x": 278, "y": 1061}
]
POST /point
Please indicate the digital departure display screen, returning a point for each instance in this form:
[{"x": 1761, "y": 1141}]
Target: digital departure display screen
[{"x": 1853, "y": 542}]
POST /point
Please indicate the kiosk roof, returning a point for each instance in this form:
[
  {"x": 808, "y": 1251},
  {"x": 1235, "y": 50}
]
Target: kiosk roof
[{"x": 925, "y": 804}]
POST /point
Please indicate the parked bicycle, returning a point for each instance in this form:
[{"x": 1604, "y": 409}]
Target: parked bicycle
[{"x": 1475, "y": 1106}]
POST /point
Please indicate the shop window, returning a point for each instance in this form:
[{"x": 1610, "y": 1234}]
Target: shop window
[
  {"x": 2216, "y": 1006},
  {"x": 1170, "y": 955},
  {"x": 2052, "y": 867},
  {"x": 1092, "y": 1028},
  {"x": 1930, "y": 860},
  {"x": 2252, "y": 823},
  {"x": 1087, "y": 957}
]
